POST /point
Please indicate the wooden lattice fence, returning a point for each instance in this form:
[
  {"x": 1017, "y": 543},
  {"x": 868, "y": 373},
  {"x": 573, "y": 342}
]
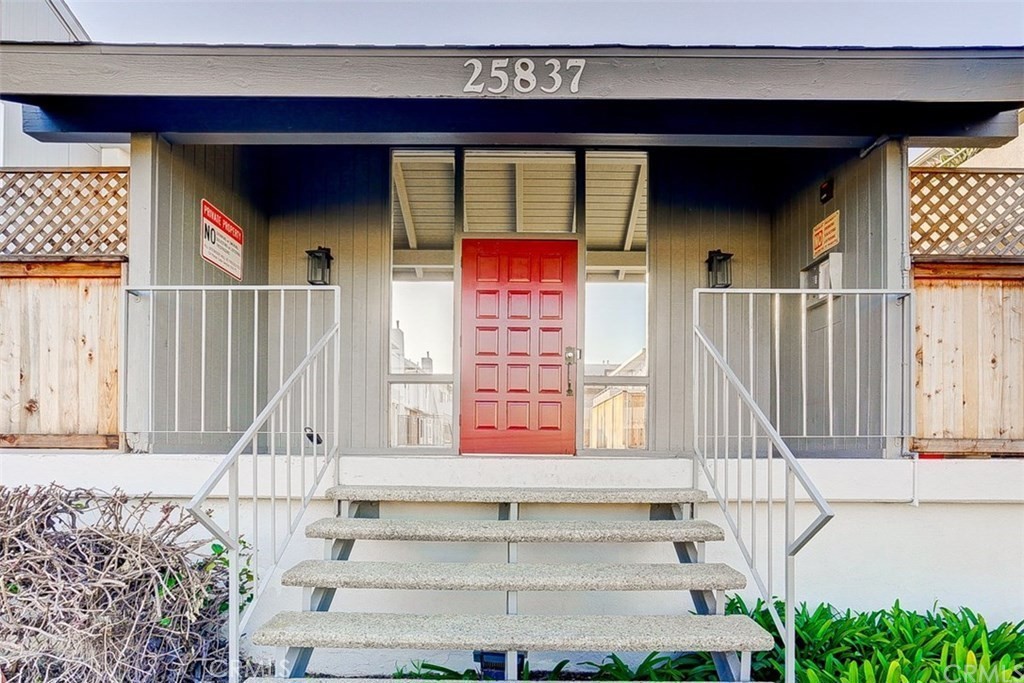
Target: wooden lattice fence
[
  {"x": 966, "y": 213},
  {"x": 63, "y": 212}
]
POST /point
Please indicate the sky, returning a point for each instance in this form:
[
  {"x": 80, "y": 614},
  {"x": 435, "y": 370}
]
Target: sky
[{"x": 872, "y": 23}]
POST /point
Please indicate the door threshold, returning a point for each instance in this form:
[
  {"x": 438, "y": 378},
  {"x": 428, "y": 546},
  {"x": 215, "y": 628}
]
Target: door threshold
[{"x": 517, "y": 455}]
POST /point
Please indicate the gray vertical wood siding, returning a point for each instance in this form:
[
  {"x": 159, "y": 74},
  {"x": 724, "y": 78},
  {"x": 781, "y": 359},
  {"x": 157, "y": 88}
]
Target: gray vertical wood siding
[
  {"x": 183, "y": 176},
  {"x": 869, "y": 196},
  {"x": 338, "y": 197},
  {"x": 698, "y": 203}
]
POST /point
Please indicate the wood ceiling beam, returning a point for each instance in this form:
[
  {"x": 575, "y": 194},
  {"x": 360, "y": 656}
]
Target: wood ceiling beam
[
  {"x": 403, "y": 204},
  {"x": 617, "y": 260},
  {"x": 423, "y": 258},
  {"x": 634, "y": 210},
  {"x": 519, "y": 196}
]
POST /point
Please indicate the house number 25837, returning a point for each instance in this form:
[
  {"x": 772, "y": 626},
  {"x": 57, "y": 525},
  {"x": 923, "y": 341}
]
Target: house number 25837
[{"x": 525, "y": 75}]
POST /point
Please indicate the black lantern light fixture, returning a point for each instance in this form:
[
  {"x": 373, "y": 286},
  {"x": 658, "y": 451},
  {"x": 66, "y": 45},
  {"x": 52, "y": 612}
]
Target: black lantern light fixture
[
  {"x": 319, "y": 270},
  {"x": 719, "y": 269}
]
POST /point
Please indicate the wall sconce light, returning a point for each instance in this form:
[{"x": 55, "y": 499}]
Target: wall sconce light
[
  {"x": 319, "y": 266},
  {"x": 719, "y": 269}
]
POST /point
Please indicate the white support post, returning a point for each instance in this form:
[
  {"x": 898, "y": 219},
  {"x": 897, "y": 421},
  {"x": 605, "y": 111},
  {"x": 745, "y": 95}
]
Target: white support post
[
  {"x": 694, "y": 474},
  {"x": 336, "y": 380},
  {"x": 234, "y": 565},
  {"x": 138, "y": 353},
  {"x": 512, "y": 600},
  {"x": 790, "y": 609}
]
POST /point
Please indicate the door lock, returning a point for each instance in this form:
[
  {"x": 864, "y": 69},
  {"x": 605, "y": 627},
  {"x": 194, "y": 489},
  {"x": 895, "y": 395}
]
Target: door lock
[{"x": 572, "y": 356}]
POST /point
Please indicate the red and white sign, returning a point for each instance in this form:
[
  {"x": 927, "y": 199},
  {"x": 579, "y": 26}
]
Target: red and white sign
[
  {"x": 221, "y": 240},
  {"x": 825, "y": 235}
]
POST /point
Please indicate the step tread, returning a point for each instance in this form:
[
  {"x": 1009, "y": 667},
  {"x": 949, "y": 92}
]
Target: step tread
[
  {"x": 513, "y": 577},
  {"x": 521, "y": 531},
  {"x": 513, "y": 494},
  {"x": 576, "y": 633}
]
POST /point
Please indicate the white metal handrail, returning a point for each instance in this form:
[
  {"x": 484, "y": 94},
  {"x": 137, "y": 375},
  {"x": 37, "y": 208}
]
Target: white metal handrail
[
  {"x": 831, "y": 368},
  {"x": 299, "y": 428},
  {"x": 739, "y": 446},
  {"x": 208, "y": 356},
  {"x": 733, "y": 499}
]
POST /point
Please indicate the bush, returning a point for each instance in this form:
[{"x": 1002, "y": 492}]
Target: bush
[
  {"x": 942, "y": 645},
  {"x": 96, "y": 588}
]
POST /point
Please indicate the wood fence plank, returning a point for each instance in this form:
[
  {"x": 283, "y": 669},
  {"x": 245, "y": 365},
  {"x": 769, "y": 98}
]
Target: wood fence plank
[
  {"x": 31, "y": 356},
  {"x": 10, "y": 358},
  {"x": 952, "y": 361},
  {"x": 1013, "y": 360},
  {"x": 90, "y": 295},
  {"x": 925, "y": 355},
  {"x": 69, "y": 328},
  {"x": 970, "y": 297},
  {"x": 109, "y": 357},
  {"x": 990, "y": 337},
  {"x": 48, "y": 307}
]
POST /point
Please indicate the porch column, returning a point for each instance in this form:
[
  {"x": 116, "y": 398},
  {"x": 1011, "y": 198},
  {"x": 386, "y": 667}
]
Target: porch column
[{"x": 137, "y": 311}]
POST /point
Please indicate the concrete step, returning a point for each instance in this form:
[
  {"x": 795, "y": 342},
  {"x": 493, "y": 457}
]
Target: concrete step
[
  {"x": 518, "y": 531},
  {"x": 576, "y": 633},
  {"x": 512, "y": 494},
  {"x": 513, "y": 577}
]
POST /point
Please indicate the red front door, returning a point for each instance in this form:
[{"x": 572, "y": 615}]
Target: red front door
[{"x": 518, "y": 317}]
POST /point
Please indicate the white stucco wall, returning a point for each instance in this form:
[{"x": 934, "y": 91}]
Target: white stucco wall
[{"x": 962, "y": 544}]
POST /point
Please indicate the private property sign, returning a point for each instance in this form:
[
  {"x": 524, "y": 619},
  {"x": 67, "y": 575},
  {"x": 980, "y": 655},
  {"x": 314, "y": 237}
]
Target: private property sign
[
  {"x": 825, "y": 235},
  {"x": 221, "y": 240}
]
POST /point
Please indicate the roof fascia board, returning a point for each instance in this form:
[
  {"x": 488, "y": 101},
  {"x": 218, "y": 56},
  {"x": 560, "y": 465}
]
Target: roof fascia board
[
  {"x": 380, "y": 123},
  {"x": 976, "y": 75}
]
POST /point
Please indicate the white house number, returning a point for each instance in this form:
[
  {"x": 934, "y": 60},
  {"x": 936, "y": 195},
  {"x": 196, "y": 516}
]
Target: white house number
[{"x": 525, "y": 75}]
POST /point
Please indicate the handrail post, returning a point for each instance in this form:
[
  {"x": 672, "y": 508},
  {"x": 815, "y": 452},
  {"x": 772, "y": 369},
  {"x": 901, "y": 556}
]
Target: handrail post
[
  {"x": 695, "y": 475},
  {"x": 789, "y": 637},
  {"x": 337, "y": 387},
  {"x": 234, "y": 567}
]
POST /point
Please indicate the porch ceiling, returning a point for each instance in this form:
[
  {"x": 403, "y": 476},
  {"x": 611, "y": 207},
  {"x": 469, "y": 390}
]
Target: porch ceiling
[{"x": 523, "y": 192}]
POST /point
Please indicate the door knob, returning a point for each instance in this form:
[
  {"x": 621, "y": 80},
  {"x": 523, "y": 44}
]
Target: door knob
[{"x": 572, "y": 355}]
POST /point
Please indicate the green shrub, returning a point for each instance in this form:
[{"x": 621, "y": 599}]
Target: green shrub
[{"x": 910, "y": 646}]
